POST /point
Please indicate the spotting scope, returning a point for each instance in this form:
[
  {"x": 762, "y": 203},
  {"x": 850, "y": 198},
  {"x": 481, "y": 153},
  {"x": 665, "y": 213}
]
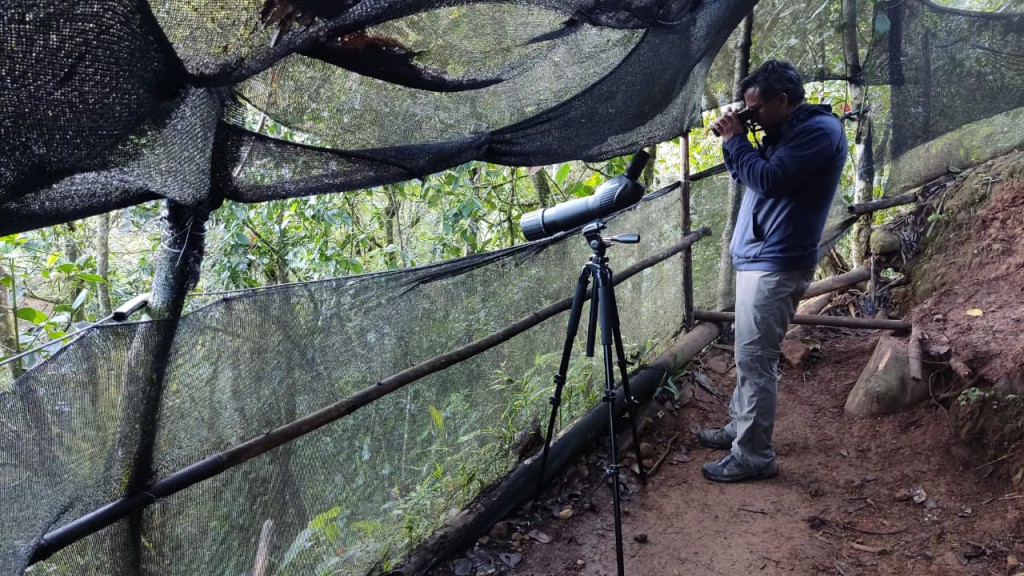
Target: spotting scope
[{"x": 616, "y": 194}]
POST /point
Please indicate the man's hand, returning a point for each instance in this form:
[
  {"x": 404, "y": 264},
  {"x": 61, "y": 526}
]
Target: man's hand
[{"x": 728, "y": 125}]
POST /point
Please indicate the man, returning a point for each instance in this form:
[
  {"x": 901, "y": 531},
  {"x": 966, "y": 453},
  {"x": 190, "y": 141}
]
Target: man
[{"x": 790, "y": 179}]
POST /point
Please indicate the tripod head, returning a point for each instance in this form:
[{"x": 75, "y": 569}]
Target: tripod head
[{"x": 598, "y": 243}]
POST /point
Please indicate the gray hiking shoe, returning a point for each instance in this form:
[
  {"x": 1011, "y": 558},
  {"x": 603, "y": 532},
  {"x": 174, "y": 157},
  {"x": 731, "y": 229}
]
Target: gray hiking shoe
[
  {"x": 729, "y": 469},
  {"x": 716, "y": 438}
]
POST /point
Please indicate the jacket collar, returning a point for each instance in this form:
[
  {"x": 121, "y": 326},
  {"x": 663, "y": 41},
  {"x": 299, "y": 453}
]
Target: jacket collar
[{"x": 802, "y": 112}]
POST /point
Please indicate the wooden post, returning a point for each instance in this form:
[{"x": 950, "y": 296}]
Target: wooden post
[
  {"x": 914, "y": 353},
  {"x": 684, "y": 172}
]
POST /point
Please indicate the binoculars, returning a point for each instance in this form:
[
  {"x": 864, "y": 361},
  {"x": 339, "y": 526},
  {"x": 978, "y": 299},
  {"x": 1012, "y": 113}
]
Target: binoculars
[{"x": 745, "y": 116}]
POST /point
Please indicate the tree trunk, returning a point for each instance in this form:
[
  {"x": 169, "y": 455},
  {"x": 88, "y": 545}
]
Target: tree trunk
[
  {"x": 390, "y": 226},
  {"x": 540, "y": 182},
  {"x": 648, "y": 173},
  {"x": 177, "y": 271},
  {"x": 9, "y": 324},
  {"x": 864, "y": 186},
  {"x": 71, "y": 253},
  {"x": 726, "y": 275},
  {"x": 103, "y": 263}
]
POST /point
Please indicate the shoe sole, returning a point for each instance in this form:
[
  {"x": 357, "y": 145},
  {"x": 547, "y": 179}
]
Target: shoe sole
[{"x": 762, "y": 475}]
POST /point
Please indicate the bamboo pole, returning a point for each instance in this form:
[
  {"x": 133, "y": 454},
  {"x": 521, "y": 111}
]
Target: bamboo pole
[
  {"x": 218, "y": 463},
  {"x": 868, "y": 207},
  {"x": 836, "y": 282},
  {"x": 813, "y": 320}
]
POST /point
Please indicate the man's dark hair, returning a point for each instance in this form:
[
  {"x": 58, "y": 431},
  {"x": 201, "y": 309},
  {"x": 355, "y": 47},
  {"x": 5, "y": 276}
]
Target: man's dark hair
[{"x": 775, "y": 77}]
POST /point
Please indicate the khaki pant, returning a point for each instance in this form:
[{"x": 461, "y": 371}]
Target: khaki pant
[{"x": 765, "y": 305}]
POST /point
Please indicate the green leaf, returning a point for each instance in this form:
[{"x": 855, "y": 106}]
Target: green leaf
[
  {"x": 562, "y": 174},
  {"x": 580, "y": 190},
  {"x": 32, "y": 315},
  {"x": 65, "y": 268},
  {"x": 89, "y": 277},
  {"x": 321, "y": 520},
  {"x": 80, "y": 299},
  {"x": 438, "y": 418}
]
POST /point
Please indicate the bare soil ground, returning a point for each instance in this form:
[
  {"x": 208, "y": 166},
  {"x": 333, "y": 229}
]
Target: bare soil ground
[{"x": 926, "y": 491}]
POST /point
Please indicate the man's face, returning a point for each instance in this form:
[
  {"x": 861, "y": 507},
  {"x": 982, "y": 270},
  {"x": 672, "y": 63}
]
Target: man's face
[{"x": 769, "y": 113}]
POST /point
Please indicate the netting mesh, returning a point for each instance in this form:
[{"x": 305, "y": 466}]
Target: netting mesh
[
  {"x": 143, "y": 94},
  {"x": 259, "y": 360},
  {"x": 106, "y": 104}
]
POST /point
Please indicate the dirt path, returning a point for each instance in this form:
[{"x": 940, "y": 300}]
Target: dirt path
[
  {"x": 902, "y": 494},
  {"x": 841, "y": 505}
]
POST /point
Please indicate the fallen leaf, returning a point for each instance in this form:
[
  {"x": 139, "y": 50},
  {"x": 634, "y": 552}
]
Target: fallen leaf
[
  {"x": 975, "y": 312},
  {"x": 539, "y": 536},
  {"x": 677, "y": 458},
  {"x": 844, "y": 453},
  {"x": 462, "y": 567},
  {"x": 917, "y": 494},
  {"x": 813, "y": 344},
  {"x": 706, "y": 383},
  {"x": 870, "y": 549},
  {"x": 510, "y": 558},
  {"x": 565, "y": 513}
]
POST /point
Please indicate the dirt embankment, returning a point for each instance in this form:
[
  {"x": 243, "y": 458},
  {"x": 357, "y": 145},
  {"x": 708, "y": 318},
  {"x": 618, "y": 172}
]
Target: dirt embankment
[{"x": 968, "y": 287}]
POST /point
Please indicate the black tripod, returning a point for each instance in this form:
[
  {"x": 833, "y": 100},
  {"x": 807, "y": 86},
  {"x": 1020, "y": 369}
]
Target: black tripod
[{"x": 603, "y": 311}]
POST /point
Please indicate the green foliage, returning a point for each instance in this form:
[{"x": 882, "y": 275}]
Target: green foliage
[
  {"x": 972, "y": 395},
  {"x": 46, "y": 282},
  {"x": 939, "y": 217},
  {"x": 528, "y": 395}
]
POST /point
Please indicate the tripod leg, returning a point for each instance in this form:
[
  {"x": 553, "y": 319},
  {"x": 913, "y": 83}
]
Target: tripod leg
[
  {"x": 595, "y": 306},
  {"x": 620, "y": 353},
  {"x": 602, "y": 294},
  {"x": 563, "y": 368}
]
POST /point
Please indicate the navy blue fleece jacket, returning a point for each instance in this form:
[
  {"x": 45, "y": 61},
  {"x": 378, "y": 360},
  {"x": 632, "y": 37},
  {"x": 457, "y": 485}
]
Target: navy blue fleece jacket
[{"x": 790, "y": 182}]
